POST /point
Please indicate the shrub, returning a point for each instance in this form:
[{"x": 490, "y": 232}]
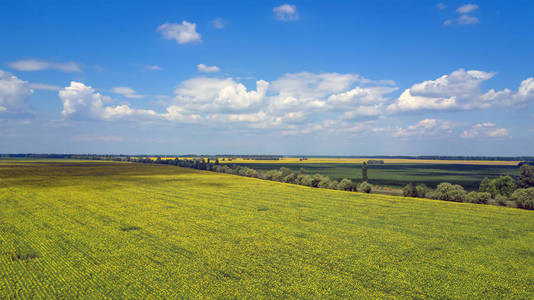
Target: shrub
[
  {"x": 449, "y": 192},
  {"x": 345, "y": 184},
  {"x": 324, "y": 183},
  {"x": 524, "y": 198},
  {"x": 409, "y": 190},
  {"x": 501, "y": 199},
  {"x": 334, "y": 185},
  {"x": 304, "y": 180},
  {"x": 421, "y": 190},
  {"x": 365, "y": 187},
  {"x": 291, "y": 178},
  {"x": 285, "y": 171},
  {"x": 478, "y": 197},
  {"x": 526, "y": 176}
]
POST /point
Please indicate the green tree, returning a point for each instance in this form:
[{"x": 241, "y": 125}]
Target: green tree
[
  {"x": 364, "y": 171},
  {"x": 505, "y": 185},
  {"x": 526, "y": 176},
  {"x": 488, "y": 186}
]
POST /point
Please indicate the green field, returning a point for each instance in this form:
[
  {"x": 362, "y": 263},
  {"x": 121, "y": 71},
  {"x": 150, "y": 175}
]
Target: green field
[
  {"x": 125, "y": 230},
  {"x": 399, "y": 175}
]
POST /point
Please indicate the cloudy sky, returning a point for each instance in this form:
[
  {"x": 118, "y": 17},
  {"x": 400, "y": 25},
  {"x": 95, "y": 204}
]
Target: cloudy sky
[{"x": 302, "y": 77}]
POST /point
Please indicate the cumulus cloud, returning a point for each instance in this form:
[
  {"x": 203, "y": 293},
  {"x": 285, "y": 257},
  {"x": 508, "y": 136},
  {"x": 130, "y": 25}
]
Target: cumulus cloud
[
  {"x": 459, "y": 90},
  {"x": 218, "y": 23},
  {"x": 286, "y": 13},
  {"x": 484, "y": 130},
  {"x": 182, "y": 33},
  {"x": 425, "y": 127},
  {"x": 441, "y": 6},
  {"x": 214, "y": 94},
  {"x": 126, "y": 92},
  {"x": 207, "y": 69},
  {"x": 83, "y": 102},
  {"x": 467, "y": 8},
  {"x": 13, "y": 93},
  {"x": 39, "y": 65}
]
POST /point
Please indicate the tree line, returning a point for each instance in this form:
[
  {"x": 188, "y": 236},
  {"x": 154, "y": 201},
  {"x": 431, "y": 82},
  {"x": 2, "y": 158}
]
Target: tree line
[{"x": 503, "y": 190}]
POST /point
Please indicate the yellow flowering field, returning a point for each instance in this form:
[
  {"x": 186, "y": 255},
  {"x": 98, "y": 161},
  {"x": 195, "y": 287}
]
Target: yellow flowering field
[{"x": 101, "y": 230}]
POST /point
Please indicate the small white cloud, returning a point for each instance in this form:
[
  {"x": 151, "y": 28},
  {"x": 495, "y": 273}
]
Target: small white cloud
[
  {"x": 126, "y": 92},
  {"x": 207, "y": 69},
  {"x": 183, "y": 33},
  {"x": 468, "y": 20},
  {"x": 44, "y": 87},
  {"x": 425, "y": 127},
  {"x": 153, "y": 68},
  {"x": 441, "y": 6},
  {"x": 484, "y": 130},
  {"x": 218, "y": 23},
  {"x": 447, "y": 22},
  {"x": 467, "y": 8},
  {"x": 286, "y": 13},
  {"x": 39, "y": 65}
]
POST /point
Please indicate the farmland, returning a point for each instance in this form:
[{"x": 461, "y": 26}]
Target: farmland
[
  {"x": 110, "y": 229},
  {"x": 399, "y": 174}
]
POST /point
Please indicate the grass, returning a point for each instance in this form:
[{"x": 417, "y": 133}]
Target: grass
[
  {"x": 399, "y": 175},
  {"x": 202, "y": 234}
]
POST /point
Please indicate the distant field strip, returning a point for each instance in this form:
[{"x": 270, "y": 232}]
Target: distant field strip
[
  {"x": 387, "y": 161},
  {"x": 124, "y": 230},
  {"x": 361, "y": 160}
]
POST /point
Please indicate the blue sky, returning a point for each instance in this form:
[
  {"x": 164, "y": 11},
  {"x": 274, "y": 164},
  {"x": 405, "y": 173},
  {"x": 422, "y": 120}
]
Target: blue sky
[{"x": 300, "y": 77}]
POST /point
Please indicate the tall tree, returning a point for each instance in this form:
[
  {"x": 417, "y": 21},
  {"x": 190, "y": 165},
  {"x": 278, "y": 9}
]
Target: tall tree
[
  {"x": 364, "y": 171},
  {"x": 526, "y": 176}
]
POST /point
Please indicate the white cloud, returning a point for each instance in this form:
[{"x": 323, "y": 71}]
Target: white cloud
[
  {"x": 485, "y": 130},
  {"x": 458, "y": 90},
  {"x": 447, "y": 22},
  {"x": 426, "y": 127},
  {"x": 467, "y": 20},
  {"x": 441, "y": 6},
  {"x": 507, "y": 97},
  {"x": 207, "y": 69},
  {"x": 213, "y": 94},
  {"x": 218, "y": 23},
  {"x": 467, "y": 8},
  {"x": 39, "y": 65},
  {"x": 44, "y": 87},
  {"x": 126, "y": 92},
  {"x": 153, "y": 68},
  {"x": 83, "y": 102},
  {"x": 286, "y": 13},
  {"x": 13, "y": 93},
  {"x": 183, "y": 33}
]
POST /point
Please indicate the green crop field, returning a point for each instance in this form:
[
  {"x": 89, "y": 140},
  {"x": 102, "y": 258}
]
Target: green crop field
[
  {"x": 400, "y": 174},
  {"x": 124, "y": 230}
]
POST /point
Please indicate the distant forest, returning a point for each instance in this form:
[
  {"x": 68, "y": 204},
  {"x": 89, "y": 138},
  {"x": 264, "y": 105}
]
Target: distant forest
[{"x": 263, "y": 157}]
